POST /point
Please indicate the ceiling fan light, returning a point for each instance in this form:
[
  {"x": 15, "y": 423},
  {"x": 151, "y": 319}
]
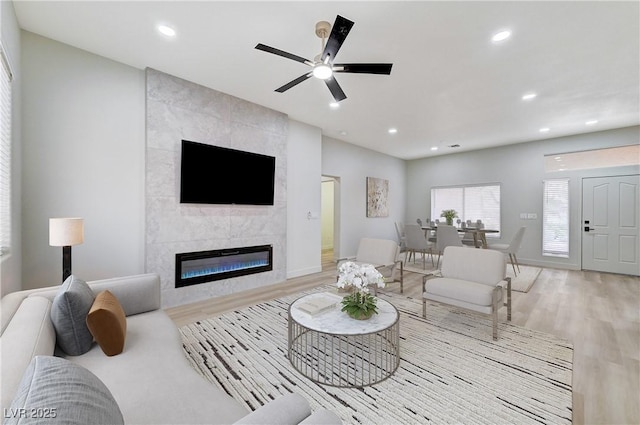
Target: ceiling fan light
[{"x": 322, "y": 71}]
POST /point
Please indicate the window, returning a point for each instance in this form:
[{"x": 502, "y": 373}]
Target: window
[
  {"x": 597, "y": 158},
  {"x": 481, "y": 202},
  {"x": 5, "y": 154},
  {"x": 555, "y": 218}
]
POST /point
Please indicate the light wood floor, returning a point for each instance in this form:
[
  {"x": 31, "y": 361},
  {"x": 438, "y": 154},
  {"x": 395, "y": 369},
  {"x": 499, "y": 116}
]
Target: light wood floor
[{"x": 598, "y": 312}]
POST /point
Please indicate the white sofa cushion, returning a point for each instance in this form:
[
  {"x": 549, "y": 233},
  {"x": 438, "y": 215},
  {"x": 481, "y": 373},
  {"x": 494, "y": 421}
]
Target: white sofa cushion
[
  {"x": 29, "y": 333},
  {"x": 54, "y": 390},
  {"x": 152, "y": 380}
]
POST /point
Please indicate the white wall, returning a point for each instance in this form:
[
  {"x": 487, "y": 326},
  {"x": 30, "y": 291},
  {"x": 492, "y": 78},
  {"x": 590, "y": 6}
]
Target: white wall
[
  {"x": 353, "y": 164},
  {"x": 303, "y": 197},
  {"x": 83, "y": 156},
  {"x": 11, "y": 264},
  {"x": 520, "y": 171}
]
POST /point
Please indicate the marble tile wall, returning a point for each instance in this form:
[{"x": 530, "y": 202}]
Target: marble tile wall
[{"x": 177, "y": 109}]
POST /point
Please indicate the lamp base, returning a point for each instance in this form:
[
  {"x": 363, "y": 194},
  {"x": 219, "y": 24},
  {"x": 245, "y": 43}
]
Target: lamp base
[{"x": 66, "y": 262}]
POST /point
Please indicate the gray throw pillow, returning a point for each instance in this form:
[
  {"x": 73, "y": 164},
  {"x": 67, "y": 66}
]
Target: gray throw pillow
[
  {"x": 54, "y": 390},
  {"x": 69, "y": 316}
]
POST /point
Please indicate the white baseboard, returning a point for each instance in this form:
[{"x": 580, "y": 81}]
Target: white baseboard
[{"x": 303, "y": 272}]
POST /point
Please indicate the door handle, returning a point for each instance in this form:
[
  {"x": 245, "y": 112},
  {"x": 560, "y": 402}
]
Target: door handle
[{"x": 587, "y": 228}]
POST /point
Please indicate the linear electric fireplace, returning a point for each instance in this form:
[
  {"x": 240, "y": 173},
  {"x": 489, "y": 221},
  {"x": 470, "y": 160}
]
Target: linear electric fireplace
[{"x": 207, "y": 266}]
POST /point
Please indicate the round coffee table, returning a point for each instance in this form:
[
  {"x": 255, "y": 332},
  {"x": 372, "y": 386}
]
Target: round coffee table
[{"x": 333, "y": 349}]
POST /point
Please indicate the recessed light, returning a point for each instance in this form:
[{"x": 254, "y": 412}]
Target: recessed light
[
  {"x": 501, "y": 36},
  {"x": 544, "y": 129},
  {"x": 166, "y": 30},
  {"x": 343, "y": 133},
  {"x": 592, "y": 122},
  {"x": 529, "y": 96},
  {"x": 434, "y": 148},
  {"x": 334, "y": 105},
  {"x": 393, "y": 130}
]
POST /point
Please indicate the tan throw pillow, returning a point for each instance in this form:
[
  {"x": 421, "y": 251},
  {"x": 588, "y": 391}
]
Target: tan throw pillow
[{"x": 107, "y": 323}]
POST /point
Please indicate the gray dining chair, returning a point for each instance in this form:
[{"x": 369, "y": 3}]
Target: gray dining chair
[
  {"x": 402, "y": 238},
  {"x": 417, "y": 243},
  {"x": 511, "y": 249},
  {"x": 446, "y": 236}
]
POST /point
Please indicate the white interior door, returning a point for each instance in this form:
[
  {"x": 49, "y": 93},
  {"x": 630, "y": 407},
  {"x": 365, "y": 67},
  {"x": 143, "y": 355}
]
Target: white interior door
[{"x": 610, "y": 222}]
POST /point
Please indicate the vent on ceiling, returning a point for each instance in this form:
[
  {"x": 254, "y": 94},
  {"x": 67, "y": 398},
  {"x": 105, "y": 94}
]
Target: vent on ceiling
[{"x": 454, "y": 146}]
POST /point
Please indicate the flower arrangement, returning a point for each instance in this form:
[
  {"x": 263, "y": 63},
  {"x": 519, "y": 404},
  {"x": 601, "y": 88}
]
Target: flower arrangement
[
  {"x": 360, "y": 304},
  {"x": 449, "y": 215}
]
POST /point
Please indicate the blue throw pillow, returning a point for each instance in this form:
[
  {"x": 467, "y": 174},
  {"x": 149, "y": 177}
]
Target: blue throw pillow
[{"x": 69, "y": 316}]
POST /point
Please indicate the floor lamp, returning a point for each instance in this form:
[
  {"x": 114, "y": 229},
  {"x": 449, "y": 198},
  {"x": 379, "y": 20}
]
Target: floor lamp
[{"x": 66, "y": 232}]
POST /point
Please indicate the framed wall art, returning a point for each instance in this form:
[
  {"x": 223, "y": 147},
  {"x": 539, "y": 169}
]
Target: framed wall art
[{"x": 377, "y": 197}]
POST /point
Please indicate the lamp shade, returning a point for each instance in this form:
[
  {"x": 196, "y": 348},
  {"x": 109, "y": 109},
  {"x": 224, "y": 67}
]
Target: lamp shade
[{"x": 66, "y": 231}]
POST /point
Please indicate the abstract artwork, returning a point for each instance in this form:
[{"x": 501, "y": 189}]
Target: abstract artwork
[{"x": 377, "y": 195}]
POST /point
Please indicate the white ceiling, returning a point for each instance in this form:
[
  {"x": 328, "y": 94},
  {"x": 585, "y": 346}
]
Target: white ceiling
[{"x": 449, "y": 83}]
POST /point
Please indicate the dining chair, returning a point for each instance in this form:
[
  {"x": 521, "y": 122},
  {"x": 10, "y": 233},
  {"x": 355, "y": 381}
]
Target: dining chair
[
  {"x": 417, "y": 242},
  {"x": 402, "y": 238},
  {"x": 511, "y": 248},
  {"x": 446, "y": 236},
  {"x": 467, "y": 237}
]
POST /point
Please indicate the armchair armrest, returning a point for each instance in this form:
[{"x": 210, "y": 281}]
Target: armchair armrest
[
  {"x": 290, "y": 409},
  {"x": 435, "y": 273}
]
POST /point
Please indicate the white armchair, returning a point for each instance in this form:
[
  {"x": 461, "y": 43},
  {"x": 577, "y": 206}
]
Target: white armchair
[
  {"x": 474, "y": 279},
  {"x": 383, "y": 255}
]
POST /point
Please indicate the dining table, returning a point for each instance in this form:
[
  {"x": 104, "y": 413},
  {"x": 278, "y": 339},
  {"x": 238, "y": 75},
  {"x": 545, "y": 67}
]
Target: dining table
[{"x": 479, "y": 234}]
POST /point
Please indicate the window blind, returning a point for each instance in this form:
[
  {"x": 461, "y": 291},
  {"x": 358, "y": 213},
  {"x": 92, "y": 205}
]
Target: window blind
[
  {"x": 555, "y": 218},
  {"x": 5, "y": 153},
  {"x": 477, "y": 202}
]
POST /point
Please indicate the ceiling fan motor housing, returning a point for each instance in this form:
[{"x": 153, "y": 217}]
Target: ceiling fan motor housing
[{"x": 323, "y": 28}]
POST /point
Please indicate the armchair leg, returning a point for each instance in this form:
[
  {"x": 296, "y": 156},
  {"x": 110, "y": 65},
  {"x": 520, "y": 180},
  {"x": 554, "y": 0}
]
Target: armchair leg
[
  {"x": 495, "y": 324},
  {"x": 424, "y": 308}
]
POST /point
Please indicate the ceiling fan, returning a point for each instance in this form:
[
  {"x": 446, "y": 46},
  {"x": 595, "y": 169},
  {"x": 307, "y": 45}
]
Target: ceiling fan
[{"x": 323, "y": 66}]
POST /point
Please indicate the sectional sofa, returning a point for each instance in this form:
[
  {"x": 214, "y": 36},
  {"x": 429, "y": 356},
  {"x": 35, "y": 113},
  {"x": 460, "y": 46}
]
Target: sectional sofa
[{"x": 146, "y": 380}]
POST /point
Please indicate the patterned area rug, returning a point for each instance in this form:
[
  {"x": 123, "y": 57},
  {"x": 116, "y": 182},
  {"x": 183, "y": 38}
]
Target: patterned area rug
[{"x": 451, "y": 371}]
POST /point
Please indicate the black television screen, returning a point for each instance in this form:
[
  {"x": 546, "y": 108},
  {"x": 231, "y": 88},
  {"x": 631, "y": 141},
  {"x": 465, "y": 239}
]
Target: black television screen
[{"x": 216, "y": 175}]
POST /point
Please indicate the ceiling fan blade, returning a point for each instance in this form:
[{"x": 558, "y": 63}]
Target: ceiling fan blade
[
  {"x": 364, "y": 68},
  {"x": 282, "y": 53},
  {"x": 293, "y": 83},
  {"x": 339, "y": 32},
  {"x": 335, "y": 89}
]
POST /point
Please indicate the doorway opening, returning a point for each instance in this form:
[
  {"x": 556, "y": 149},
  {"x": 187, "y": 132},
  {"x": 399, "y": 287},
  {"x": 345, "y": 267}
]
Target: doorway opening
[{"x": 330, "y": 221}]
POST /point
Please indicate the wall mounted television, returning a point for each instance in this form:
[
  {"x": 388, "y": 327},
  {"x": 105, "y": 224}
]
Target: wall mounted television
[{"x": 216, "y": 175}]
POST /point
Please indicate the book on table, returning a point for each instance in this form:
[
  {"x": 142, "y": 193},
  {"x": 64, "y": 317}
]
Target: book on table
[{"x": 318, "y": 304}]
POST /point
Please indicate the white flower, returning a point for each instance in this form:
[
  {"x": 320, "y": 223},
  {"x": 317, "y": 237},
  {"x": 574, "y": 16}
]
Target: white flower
[{"x": 359, "y": 276}]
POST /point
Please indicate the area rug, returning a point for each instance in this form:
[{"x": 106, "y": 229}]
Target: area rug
[
  {"x": 525, "y": 279},
  {"x": 451, "y": 371},
  {"x": 521, "y": 283}
]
